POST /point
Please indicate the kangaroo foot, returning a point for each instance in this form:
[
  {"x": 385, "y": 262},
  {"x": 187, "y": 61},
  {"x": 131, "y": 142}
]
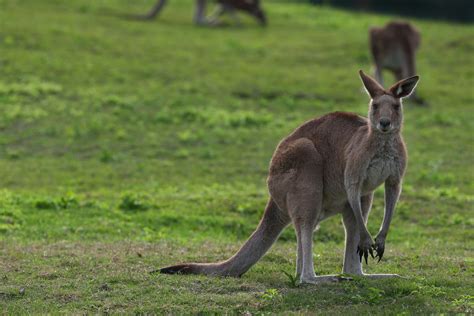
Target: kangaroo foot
[
  {"x": 323, "y": 279},
  {"x": 381, "y": 276}
]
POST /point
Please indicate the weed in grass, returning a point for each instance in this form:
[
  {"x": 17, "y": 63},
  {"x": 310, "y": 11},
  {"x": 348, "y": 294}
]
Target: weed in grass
[
  {"x": 292, "y": 280},
  {"x": 464, "y": 304},
  {"x": 270, "y": 295},
  {"x": 134, "y": 202},
  {"x": 10, "y": 218},
  {"x": 32, "y": 88},
  {"x": 64, "y": 202},
  {"x": 13, "y": 154},
  {"x": 106, "y": 156}
]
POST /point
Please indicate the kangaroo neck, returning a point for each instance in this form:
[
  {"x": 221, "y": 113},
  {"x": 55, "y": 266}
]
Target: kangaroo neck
[{"x": 375, "y": 142}]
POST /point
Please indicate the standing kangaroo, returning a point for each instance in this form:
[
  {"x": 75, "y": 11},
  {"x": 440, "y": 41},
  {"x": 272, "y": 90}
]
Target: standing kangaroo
[
  {"x": 327, "y": 166},
  {"x": 251, "y": 7},
  {"x": 394, "y": 48}
]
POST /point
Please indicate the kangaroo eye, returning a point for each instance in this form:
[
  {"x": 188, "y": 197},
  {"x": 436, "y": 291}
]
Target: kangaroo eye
[
  {"x": 375, "y": 106},
  {"x": 396, "y": 106}
]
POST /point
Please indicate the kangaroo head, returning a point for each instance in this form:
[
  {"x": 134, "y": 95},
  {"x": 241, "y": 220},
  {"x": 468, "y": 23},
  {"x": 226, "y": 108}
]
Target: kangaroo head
[
  {"x": 260, "y": 15},
  {"x": 257, "y": 11},
  {"x": 385, "y": 107}
]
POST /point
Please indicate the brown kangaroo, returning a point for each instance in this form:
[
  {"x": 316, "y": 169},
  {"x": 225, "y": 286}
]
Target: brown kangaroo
[
  {"x": 329, "y": 165},
  {"x": 251, "y": 7},
  {"x": 394, "y": 48}
]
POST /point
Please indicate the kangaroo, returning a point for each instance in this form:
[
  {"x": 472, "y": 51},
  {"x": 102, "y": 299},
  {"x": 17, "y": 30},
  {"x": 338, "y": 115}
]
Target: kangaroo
[
  {"x": 251, "y": 7},
  {"x": 394, "y": 48},
  {"x": 329, "y": 165}
]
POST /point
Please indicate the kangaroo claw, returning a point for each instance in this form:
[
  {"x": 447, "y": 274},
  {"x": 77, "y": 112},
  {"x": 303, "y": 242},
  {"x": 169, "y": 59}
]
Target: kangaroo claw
[
  {"x": 380, "y": 254},
  {"x": 364, "y": 254}
]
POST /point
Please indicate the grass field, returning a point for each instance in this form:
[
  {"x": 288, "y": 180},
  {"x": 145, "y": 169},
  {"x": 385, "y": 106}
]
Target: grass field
[{"x": 126, "y": 146}]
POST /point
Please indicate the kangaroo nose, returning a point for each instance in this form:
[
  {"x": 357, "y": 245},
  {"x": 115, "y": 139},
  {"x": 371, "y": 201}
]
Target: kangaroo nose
[{"x": 384, "y": 123}]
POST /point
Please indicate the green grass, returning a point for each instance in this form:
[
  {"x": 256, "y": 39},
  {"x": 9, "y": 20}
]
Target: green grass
[{"x": 126, "y": 146}]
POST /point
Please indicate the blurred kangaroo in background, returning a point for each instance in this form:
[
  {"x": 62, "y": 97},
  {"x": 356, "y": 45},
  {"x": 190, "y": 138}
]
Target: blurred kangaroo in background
[
  {"x": 251, "y": 7},
  {"x": 394, "y": 48},
  {"x": 327, "y": 166}
]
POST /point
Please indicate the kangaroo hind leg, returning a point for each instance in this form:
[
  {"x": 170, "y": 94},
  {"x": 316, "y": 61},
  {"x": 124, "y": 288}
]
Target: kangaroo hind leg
[{"x": 303, "y": 199}]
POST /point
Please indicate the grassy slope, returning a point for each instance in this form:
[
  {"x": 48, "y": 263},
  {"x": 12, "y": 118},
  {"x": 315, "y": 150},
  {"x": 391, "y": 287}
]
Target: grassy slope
[{"x": 125, "y": 146}]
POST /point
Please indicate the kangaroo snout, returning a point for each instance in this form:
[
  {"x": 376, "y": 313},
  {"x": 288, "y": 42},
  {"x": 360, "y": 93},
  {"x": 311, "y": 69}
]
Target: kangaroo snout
[{"x": 384, "y": 124}]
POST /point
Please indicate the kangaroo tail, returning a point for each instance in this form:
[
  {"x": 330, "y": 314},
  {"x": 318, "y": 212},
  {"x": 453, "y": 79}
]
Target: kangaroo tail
[{"x": 267, "y": 232}]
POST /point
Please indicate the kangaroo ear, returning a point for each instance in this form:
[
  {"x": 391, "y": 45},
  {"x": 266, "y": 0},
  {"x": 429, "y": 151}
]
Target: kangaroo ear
[
  {"x": 372, "y": 87},
  {"x": 404, "y": 87}
]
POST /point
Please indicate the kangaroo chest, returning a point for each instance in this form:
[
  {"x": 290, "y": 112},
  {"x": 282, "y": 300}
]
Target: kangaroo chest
[
  {"x": 380, "y": 167},
  {"x": 394, "y": 59}
]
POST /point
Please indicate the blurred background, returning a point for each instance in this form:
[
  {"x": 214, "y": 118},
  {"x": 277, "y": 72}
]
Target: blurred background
[
  {"x": 457, "y": 10},
  {"x": 127, "y": 144}
]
